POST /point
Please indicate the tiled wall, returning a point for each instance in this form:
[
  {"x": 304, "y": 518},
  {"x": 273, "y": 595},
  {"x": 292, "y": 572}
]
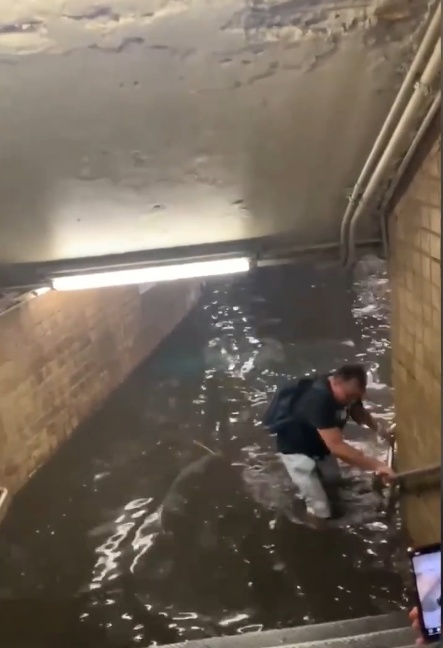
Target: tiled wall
[
  {"x": 415, "y": 240},
  {"x": 61, "y": 355}
]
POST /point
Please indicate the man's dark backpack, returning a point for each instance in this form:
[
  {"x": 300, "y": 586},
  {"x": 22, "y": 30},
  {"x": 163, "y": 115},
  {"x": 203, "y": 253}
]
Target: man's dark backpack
[{"x": 280, "y": 410}]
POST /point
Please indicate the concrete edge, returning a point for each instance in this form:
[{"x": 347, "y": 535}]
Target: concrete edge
[
  {"x": 310, "y": 633},
  {"x": 385, "y": 639}
]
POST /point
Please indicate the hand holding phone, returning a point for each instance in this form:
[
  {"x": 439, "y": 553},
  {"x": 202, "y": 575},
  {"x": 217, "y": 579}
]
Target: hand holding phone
[
  {"x": 426, "y": 568},
  {"x": 413, "y": 616}
]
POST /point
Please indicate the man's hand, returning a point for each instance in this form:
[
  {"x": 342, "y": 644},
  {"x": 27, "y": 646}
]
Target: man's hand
[
  {"x": 385, "y": 472},
  {"x": 413, "y": 615},
  {"x": 384, "y": 430}
]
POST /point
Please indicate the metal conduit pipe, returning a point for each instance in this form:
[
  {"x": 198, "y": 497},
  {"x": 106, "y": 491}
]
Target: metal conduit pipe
[
  {"x": 430, "y": 116},
  {"x": 4, "y": 502},
  {"x": 431, "y": 35},
  {"x": 404, "y": 125}
]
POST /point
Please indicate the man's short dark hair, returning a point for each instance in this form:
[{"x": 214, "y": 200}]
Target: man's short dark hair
[{"x": 352, "y": 372}]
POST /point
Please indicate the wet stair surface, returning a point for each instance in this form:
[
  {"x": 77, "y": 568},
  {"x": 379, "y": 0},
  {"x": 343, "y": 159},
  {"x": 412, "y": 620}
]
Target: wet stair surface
[{"x": 387, "y": 631}]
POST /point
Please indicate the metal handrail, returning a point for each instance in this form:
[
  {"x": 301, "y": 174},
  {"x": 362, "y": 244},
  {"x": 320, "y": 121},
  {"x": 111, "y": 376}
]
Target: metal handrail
[
  {"x": 408, "y": 480},
  {"x": 412, "y": 480},
  {"x": 418, "y": 473}
]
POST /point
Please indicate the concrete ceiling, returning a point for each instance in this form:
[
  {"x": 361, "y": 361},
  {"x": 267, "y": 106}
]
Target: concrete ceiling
[{"x": 134, "y": 125}]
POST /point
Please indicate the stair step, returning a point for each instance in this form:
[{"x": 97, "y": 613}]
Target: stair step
[
  {"x": 387, "y": 639},
  {"x": 309, "y": 633}
]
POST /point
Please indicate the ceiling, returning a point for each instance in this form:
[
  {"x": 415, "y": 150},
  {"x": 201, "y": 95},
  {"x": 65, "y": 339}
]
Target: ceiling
[{"x": 131, "y": 126}]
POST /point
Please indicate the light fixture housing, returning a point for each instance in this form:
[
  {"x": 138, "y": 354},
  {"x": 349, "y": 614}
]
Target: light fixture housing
[
  {"x": 153, "y": 274},
  {"x": 41, "y": 291}
]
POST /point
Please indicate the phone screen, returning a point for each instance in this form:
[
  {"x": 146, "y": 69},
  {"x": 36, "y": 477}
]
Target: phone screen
[{"x": 426, "y": 564}]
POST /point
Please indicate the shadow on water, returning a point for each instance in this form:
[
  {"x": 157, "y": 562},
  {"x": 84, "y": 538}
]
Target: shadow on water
[{"x": 136, "y": 535}]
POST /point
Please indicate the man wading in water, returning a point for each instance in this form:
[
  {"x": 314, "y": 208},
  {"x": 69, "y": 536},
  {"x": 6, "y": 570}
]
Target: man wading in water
[{"x": 308, "y": 418}]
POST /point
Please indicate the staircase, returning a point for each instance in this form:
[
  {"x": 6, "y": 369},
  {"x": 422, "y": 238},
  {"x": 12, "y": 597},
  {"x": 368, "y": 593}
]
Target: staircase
[{"x": 388, "y": 631}]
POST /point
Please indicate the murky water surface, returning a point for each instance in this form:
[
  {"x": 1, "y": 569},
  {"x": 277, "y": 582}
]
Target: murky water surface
[{"x": 135, "y": 535}]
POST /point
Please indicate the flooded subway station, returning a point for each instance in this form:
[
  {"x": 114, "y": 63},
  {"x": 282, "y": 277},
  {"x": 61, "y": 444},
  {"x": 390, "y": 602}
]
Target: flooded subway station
[
  {"x": 134, "y": 534},
  {"x": 133, "y": 136}
]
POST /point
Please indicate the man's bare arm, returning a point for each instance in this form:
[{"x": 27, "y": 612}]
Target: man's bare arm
[
  {"x": 333, "y": 438},
  {"x": 361, "y": 416}
]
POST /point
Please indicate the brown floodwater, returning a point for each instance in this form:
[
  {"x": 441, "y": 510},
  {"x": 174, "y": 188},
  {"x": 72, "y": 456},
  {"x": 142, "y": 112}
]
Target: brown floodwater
[{"x": 134, "y": 535}]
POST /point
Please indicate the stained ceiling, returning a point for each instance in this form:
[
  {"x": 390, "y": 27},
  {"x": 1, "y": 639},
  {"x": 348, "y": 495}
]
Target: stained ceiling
[{"x": 131, "y": 126}]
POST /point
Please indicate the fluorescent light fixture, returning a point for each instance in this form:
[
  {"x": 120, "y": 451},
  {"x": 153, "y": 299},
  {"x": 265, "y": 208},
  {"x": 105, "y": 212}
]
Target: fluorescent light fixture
[
  {"x": 153, "y": 274},
  {"x": 41, "y": 291}
]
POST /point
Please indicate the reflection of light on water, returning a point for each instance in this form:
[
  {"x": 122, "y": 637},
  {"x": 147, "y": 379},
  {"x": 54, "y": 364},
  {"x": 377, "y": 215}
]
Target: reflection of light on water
[
  {"x": 144, "y": 540},
  {"x": 228, "y": 353},
  {"x": 234, "y": 619},
  {"x": 253, "y": 627},
  {"x": 136, "y": 504},
  {"x": 185, "y": 616},
  {"x": 109, "y": 553}
]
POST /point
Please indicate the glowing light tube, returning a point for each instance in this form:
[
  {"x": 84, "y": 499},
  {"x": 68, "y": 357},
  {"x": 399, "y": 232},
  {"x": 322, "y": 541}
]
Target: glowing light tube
[{"x": 153, "y": 274}]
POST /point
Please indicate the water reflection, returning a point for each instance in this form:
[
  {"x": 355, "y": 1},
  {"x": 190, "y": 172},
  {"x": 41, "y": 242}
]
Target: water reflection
[{"x": 168, "y": 515}]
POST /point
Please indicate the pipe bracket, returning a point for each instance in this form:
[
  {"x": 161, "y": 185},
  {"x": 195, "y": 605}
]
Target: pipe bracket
[{"x": 424, "y": 88}]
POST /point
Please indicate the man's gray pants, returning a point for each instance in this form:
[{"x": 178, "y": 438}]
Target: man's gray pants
[{"x": 310, "y": 477}]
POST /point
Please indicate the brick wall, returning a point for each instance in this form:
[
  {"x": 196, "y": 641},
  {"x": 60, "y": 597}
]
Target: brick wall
[
  {"x": 61, "y": 354},
  {"x": 415, "y": 240}
]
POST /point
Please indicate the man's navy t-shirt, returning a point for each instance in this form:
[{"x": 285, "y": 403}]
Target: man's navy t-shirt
[{"x": 316, "y": 409}]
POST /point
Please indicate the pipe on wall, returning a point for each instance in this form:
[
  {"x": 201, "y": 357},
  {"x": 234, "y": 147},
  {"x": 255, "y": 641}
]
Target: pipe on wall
[
  {"x": 431, "y": 35},
  {"x": 392, "y": 149},
  {"x": 430, "y": 116}
]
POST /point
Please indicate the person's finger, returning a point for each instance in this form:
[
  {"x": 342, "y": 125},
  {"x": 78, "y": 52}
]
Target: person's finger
[{"x": 413, "y": 614}]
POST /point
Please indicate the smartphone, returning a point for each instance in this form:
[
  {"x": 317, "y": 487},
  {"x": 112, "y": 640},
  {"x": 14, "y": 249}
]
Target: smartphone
[{"x": 426, "y": 568}]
